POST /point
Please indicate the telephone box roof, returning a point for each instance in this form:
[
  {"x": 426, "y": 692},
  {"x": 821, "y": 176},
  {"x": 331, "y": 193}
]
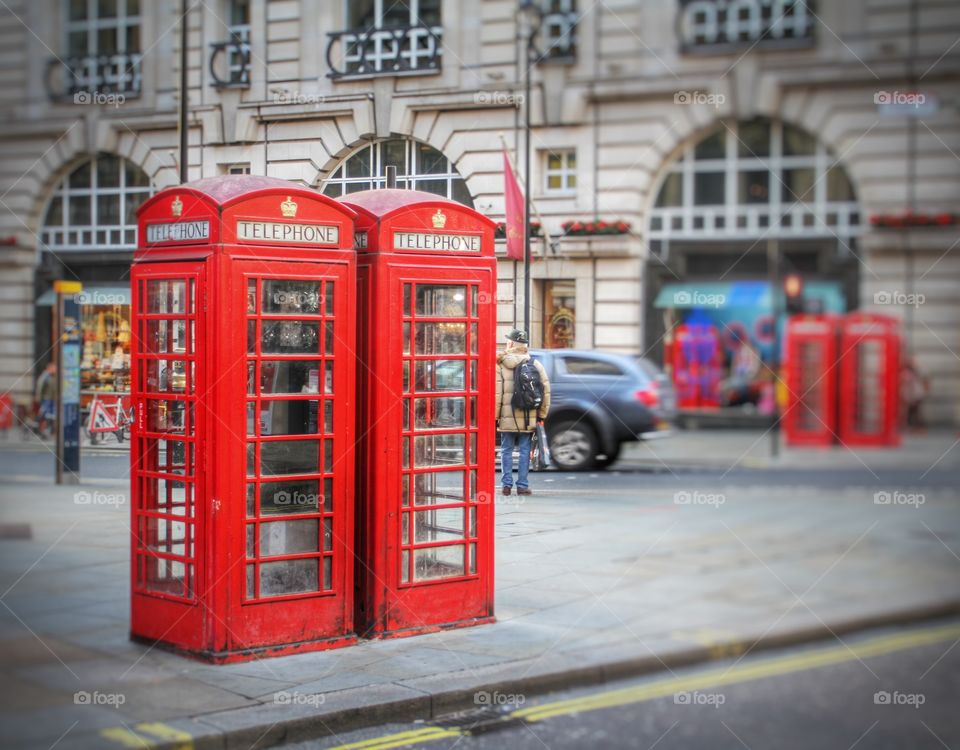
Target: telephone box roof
[{"x": 381, "y": 203}]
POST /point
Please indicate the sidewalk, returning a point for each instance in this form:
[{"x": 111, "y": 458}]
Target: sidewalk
[{"x": 597, "y": 577}]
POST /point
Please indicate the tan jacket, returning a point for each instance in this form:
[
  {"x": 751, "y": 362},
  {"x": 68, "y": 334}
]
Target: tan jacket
[{"x": 508, "y": 419}]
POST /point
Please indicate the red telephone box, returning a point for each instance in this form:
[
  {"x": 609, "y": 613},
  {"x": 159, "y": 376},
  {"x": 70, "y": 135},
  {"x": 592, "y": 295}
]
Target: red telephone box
[
  {"x": 869, "y": 380},
  {"x": 427, "y": 277},
  {"x": 810, "y": 416},
  {"x": 243, "y": 443}
]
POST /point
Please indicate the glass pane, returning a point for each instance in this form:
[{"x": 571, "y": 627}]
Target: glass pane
[
  {"x": 108, "y": 210},
  {"x": 437, "y": 562},
  {"x": 289, "y": 417},
  {"x": 166, "y": 376},
  {"x": 289, "y": 376},
  {"x": 166, "y": 336},
  {"x": 135, "y": 176},
  {"x": 431, "y": 161},
  {"x": 78, "y": 10},
  {"x": 838, "y": 186},
  {"x": 358, "y": 165},
  {"x": 251, "y": 573},
  {"x": 108, "y": 172},
  {"x": 437, "y": 187},
  {"x": 405, "y": 566},
  {"x": 166, "y": 296},
  {"x": 169, "y": 495},
  {"x": 299, "y": 496},
  {"x": 406, "y": 299},
  {"x": 251, "y": 500},
  {"x": 291, "y": 297},
  {"x": 288, "y": 577},
  {"x": 753, "y": 187},
  {"x": 79, "y": 210},
  {"x": 438, "y": 450},
  {"x": 290, "y": 337},
  {"x": 459, "y": 192},
  {"x": 711, "y": 147},
  {"x": 132, "y": 202},
  {"x": 166, "y": 416},
  {"x": 328, "y": 495},
  {"x": 798, "y": 143},
  {"x": 54, "y": 215},
  {"x": 394, "y": 154},
  {"x": 438, "y": 413},
  {"x": 289, "y": 537},
  {"x": 328, "y": 416},
  {"x": 328, "y": 573},
  {"x": 290, "y": 457},
  {"x": 106, "y": 8},
  {"x": 798, "y": 185},
  {"x": 671, "y": 193},
  {"x": 473, "y": 558},
  {"x": 439, "y": 374},
  {"x": 80, "y": 177},
  {"x": 441, "y": 525},
  {"x": 251, "y": 336},
  {"x": 441, "y": 301},
  {"x": 441, "y": 338},
  {"x": 107, "y": 40},
  {"x": 708, "y": 188},
  {"x": 754, "y": 139}
]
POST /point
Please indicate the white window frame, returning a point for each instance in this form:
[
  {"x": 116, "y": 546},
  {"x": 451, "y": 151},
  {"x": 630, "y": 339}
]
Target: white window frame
[
  {"x": 92, "y": 24},
  {"x": 565, "y": 172}
]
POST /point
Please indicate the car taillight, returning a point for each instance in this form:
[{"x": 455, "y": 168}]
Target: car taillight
[{"x": 648, "y": 396}]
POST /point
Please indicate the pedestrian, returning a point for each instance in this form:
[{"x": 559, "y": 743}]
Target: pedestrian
[
  {"x": 46, "y": 397},
  {"x": 516, "y": 425},
  {"x": 914, "y": 388}
]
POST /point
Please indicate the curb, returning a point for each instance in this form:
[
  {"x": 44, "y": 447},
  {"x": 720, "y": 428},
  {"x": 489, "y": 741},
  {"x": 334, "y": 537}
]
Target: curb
[{"x": 428, "y": 698}]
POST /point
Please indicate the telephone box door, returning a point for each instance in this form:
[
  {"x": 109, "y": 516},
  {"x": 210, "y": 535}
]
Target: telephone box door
[
  {"x": 294, "y": 402},
  {"x": 869, "y": 380},
  {"x": 811, "y": 414}
]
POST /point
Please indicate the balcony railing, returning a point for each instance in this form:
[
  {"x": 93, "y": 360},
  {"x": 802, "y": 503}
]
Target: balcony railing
[
  {"x": 95, "y": 77},
  {"x": 713, "y": 25},
  {"x": 387, "y": 51},
  {"x": 230, "y": 60},
  {"x": 559, "y": 36}
]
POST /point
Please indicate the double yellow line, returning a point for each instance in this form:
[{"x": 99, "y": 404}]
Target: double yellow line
[{"x": 664, "y": 687}]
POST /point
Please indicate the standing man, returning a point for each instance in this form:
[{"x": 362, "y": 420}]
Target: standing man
[
  {"x": 523, "y": 400},
  {"x": 46, "y": 397}
]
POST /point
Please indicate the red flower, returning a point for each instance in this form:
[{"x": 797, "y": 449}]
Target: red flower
[{"x": 943, "y": 219}]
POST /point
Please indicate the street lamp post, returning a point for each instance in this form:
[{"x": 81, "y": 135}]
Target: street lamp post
[{"x": 530, "y": 13}]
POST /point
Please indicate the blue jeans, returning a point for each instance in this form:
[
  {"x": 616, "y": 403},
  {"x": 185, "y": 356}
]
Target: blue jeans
[{"x": 507, "y": 442}]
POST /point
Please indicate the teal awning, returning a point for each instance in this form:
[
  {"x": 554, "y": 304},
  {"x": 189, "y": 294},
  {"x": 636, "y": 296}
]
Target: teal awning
[
  {"x": 91, "y": 295},
  {"x": 725, "y": 295}
]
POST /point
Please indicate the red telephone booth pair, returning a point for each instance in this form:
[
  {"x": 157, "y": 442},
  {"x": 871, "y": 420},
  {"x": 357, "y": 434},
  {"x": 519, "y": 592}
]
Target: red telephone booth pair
[
  {"x": 250, "y": 332},
  {"x": 843, "y": 378}
]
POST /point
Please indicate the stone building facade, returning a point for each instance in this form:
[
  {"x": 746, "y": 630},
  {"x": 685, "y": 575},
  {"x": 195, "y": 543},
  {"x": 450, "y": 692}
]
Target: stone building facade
[{"x": 709, "y": 127}]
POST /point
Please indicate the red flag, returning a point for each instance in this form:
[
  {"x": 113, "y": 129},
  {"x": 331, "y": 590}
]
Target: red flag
[{"x": 514, "y": 211}]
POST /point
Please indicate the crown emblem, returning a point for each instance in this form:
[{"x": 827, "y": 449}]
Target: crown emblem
[
  {"x": 288, "y": 208},
  {"x": 439, "y": 219},
  {"x": 176, "y": 208}
]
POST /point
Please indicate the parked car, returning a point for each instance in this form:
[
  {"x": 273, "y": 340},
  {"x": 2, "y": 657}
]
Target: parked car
[{"x": 600, "y": 401}]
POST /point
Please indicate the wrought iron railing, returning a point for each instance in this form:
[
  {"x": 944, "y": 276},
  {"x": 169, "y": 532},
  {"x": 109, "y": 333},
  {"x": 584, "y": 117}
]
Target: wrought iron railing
[
  {"x": 385, "y": 51},
  {"x": 709, "y": 25},
  {"x": 88, "y": 79},
  {"x": 230, "y": 60}
]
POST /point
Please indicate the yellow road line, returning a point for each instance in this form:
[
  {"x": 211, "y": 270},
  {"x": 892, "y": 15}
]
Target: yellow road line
[
  {"x": 147, "y": 735},
  {"x": 427, "y": 734},
  {"x": 731, "y": 675}
]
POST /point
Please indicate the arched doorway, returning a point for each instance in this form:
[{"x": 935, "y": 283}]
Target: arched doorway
[
  {"x": 718, "y": 206},
  {"x": 419, "y": 167}
]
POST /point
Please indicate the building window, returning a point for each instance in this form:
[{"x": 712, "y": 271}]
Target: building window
[
  {"x": 709, "y": 24},
  {"x": 95, "y": 206},
  {"x": 419, "y": 167},
  {"x": 559, "y": 31},
  {"x": 387, "y": 37},
  {"x": 754, "y": 178},
  {"x": 560, "y": 171},
  {"x": 102, "y": 43},
  {"x": 239, "y": 168},
  {"x": 230, "y": 60},
  {"x": 560, "y": 319}
]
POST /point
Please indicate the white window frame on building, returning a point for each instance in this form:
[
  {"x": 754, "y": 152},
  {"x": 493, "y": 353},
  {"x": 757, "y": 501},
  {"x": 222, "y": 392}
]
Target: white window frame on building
[
  {"x": 387, "y": 37},
  {"x": 558, "y": 31},
  {"x": 91, "y": 65},
  {"x": 710, "y": 25},
  {"x": 64, "y": 230},
  {"x": 736, "y": 183},
  {"x": 419, "y": 167},
  {"x": 560, "y": 169}
]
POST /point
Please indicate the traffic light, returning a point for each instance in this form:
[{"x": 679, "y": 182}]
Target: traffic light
[{"x": 793, "y": 292}]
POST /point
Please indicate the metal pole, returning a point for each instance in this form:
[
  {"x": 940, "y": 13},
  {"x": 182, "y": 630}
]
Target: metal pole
[
  {"x": 184, "y": 108},
  {"x": 773, "y": 273},
  {"x": 526, "y": 179}
]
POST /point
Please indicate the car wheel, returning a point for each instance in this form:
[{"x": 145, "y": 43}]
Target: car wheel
[
  {"x": 610, "y": 458},
  {"x": 573, "y": 446}
]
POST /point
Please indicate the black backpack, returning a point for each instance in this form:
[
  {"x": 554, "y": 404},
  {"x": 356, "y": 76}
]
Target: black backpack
[{"x": 527, "y": 387}]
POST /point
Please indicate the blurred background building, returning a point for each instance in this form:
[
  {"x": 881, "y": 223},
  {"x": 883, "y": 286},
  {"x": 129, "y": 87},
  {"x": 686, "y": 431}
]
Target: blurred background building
[{"x": 671, "y": 142}]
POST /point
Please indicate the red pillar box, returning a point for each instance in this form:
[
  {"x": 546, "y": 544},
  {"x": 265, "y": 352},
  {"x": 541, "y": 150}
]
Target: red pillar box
[
  {"x": 243, "y": 388},
  {"x": 425, "y": 543},
  {"x": 810, "y": 416},
  {"x": 869, "y": 380}
]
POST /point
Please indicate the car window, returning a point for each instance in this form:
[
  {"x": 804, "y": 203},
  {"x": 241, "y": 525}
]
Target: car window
[{"x": 589, "y": 366}]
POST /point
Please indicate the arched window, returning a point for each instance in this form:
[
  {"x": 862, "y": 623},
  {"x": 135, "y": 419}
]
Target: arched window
[
  {"x": 419, "y": 167},
  {"x": 751, "y": 179},
  {"x": 95, "y": 206}
]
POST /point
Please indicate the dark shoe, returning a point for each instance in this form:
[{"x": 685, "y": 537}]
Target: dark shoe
[
  {"x": 506, "y": 490},
  {"x": 524, "y": 491}
]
